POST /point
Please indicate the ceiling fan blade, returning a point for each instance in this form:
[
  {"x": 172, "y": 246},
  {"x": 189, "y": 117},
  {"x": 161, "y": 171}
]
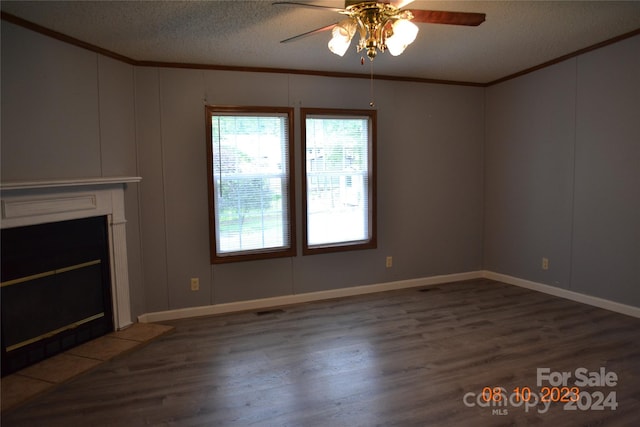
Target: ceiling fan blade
[
  {"x": 451, "y": 18},
  {"x": 400, "y": 3},
  {"x": 314, "y": 6},
  {"x": 309, "y": 33}
]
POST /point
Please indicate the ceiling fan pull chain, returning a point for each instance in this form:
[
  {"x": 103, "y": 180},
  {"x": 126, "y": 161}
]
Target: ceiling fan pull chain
[{"x": 372, "y": 102}]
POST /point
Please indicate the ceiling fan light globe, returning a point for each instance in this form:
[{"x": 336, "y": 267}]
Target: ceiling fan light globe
[
  {"x": 404, "y": 33},
  {"x": 345, "y": 28},
  {"x": 339, "y": 45},
  {"x": 405, "y": 29},
  {"x": 394, "y": 49},
  {"x": 342, "y": 34}
]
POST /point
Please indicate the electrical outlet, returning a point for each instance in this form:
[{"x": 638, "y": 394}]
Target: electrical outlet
[
  {"x": 545, "y": 263},
  {"x": 195, "y": 284},
  {"x": 389, "y": 262}
]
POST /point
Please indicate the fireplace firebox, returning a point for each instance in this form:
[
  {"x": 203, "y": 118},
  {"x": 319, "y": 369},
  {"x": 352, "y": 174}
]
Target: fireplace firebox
[{"x": 55, "y": 289}]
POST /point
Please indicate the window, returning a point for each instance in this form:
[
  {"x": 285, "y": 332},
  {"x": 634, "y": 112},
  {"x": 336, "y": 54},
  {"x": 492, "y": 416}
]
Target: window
[
  {"x": 339, "y": 185},
  {"x": 251, "y": 207}
]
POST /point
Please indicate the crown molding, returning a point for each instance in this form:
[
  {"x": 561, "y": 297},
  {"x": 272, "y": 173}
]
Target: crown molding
[{"x": 142, "y": 63}]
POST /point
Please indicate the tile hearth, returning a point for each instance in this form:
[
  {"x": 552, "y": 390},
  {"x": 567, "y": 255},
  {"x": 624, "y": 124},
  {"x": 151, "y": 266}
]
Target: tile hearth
[{"x": 18, "y": 388}]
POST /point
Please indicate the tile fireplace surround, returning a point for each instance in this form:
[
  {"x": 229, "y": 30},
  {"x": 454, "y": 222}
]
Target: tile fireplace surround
[{"x": 39, "y": 202}]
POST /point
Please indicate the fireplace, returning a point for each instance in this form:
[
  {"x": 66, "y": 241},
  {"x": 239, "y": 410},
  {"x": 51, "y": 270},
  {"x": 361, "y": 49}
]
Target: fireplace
[
  {"x": 55, "y": 289},
  {"x": 64, "y": 266}
]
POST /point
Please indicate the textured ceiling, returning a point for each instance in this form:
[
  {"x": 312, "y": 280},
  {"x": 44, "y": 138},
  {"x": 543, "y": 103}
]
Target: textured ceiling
[{"x": 516, "y": 35}]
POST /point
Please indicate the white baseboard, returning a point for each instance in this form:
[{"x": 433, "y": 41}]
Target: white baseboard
[
  {"x": 565, "y": 293},
  {"x": 266, "y": 303}
]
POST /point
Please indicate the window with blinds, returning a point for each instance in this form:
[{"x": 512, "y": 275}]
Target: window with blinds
[
  {"x": 250, "y": 183},
  {"x": 339, "y": 184}
]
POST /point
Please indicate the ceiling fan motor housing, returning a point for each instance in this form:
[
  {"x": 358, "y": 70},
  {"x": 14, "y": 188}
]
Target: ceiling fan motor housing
[
  {"x": 375, "y": 23},
  {"x": 382, "y": 25}
]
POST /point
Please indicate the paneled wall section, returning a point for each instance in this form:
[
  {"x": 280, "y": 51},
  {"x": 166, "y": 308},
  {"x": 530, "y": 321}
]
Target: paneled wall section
[{"x": 469, "y": 178}]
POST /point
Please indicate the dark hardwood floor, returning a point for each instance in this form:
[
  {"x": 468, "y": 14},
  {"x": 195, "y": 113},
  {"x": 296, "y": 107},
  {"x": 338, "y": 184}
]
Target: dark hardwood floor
[{"x": 395, "y": 358}]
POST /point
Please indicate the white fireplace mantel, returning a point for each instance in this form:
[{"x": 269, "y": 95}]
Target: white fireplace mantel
[
  {"x": 38, "y": 202},
  {"x": 81, "y": 182}
]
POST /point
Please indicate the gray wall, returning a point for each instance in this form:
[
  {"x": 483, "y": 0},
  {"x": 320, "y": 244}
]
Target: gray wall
[
  {"x": 458, "y": 181},
  {"x": 69, "y": 113},
  {"x": 72, "y": 113},
  {"x": 562, "y": 160},
  {"x": 429, "y": 184}
]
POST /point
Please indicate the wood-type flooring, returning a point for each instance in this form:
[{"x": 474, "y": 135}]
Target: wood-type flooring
[{"x": 413, "y": 357}]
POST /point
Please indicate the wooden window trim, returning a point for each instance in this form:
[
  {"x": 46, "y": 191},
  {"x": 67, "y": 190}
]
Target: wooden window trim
[
  {"x": 290, "y": 251},
  {"x": 372, "y": 243}
]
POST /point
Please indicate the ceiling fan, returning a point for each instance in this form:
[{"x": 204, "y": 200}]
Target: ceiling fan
[{"x": 382, "y": 25}]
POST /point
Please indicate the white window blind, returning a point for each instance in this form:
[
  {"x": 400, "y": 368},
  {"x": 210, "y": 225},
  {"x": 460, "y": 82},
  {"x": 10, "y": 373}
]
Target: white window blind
[
  {"x": 250, "y": 158},
  {"x": 337, "y": 163}
]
